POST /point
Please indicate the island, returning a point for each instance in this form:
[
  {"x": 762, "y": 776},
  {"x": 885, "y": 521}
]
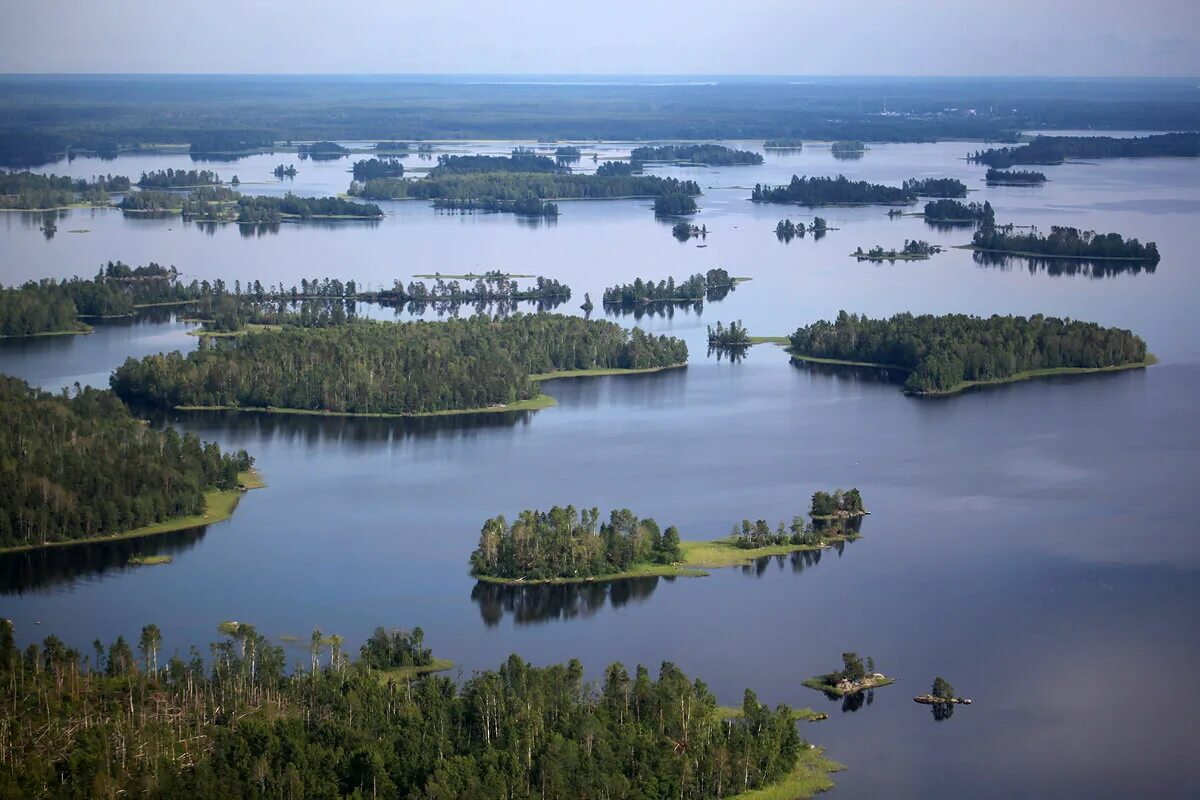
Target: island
[
  {"x": 855, "y": 676},
  {"x": 710, "y": 155},
  {"x": 285, "y": 171},
  {"x": 674, "y": 204},
  {"x": 298, "y": 723},
  {"x": 322, "y": 151},
  {"x": 936, "y": 187},
  {"x": 953, "y": 352},
  {"x": 735, "y": 337},
  {"x": 374, "y": 168},
  {"x": 1056, "y": 149},
  {"x": 1014, "y": 177},
  {"x": 1063, "y": 242},
  {"x": 178, "y": 179},
  {"x": 841, "y": 190},
  {"x": 45, "y": 466},
  {"x": 953, "y": 212},
  {"x": 847, "y": 148},
  {"x": 786, "y": 230},
  {"x": 386, "y": 369},
  {"x": 566, "y": 545},
  {"x": 713, "y": 285},
  {"x": 913, "y": 250},
  {"x": 786, "y": 143},
  {"x": 942, "y": 693},
  {"x": 683, "y": 231},
  {"x": 27, "y": 191}
]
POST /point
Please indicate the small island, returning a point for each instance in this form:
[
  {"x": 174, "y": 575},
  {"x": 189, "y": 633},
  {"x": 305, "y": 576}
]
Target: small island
[
  {"x": 942, "y": 693},
  {"x": 789, "y": 143},
  {"x": 683, "y": 231},
  {"x": 732, "y": 338},
  {"x": 374, "y": 168},
  {"x": 400, "y": 656},
  {"x": 953, "y": 212},
  {"x": 710, "y": 155},
  {"x": 822, "y": 191},
  {"x": 139, "y": 560},
  {"x": 322, "y": 151},
  {"x": 855, "y": 676},
  {"x": 178, "y": 179},
  {"x": 847, "y": 148},
  {"x": 786, "y": 230},
  {"x": 1014, "y": 177},
  {"x": 1063, "y": 242},
  {"x": 712, "y": 285},
  {"x": 936, "y": 187},
  {"x": 285, "y": 171},
  {"x": 914, "y": 250}
]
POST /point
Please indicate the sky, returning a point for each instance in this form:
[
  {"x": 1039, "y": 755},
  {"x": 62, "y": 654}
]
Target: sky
[{"x": 708, "y": 37}]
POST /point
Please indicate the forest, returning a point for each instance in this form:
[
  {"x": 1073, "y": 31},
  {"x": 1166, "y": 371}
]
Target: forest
[
  {"x": 321, "y": 151},
  {"x": 372, "y": 168},
  {"x": 952, "y": 211},
  {"x": 222, "y": 204},
  {"x": 125, "y": 720},
  {"x": 847, "y": 147},
  {"x": 1017, "y": 177},
  {"x": 178, "y": 179},
  {"x": 521, "y": 160},
  {"x": 785, "y": 143},
  {"x": 936, "y": 187},
  {"x": 30, "y": 191},
  {"x": 491, "y": 287},
  {"x": 527, "y": 205},
  {"x": 79, "y": 465},
  {"x": 1064, "y": 242},
  {"x": 1055, "y": 149},
  {"x": 713, "y": 155},
  {"x": 390, "y": 368},
  {"x": 693, "y": 290},
  {"x": 830, "y": 191},
  {"x": 570, "y": 543},
  {"x": 734, "y": 337},
  {"x": 674, "y": 204},
  {"x": 942, "y": 352}
]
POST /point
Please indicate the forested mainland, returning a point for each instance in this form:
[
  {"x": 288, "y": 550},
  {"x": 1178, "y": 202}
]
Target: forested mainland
[
  {"x": 1055, "y": 149},
  {"x": 712, "y": 285},
  {"x": 831, "y": 191},
  {"x": 28, "y": 191},
  {"x": 1064, "y": 242},
  {"x": 714, "y": 155},
  {"x": 944, "y": 354},
  {"x": 389, "y": 368},
  {"x": 78, "y": 465}
]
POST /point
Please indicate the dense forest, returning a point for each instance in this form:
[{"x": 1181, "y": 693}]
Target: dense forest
[
  {"x": 124, "y": 722},
  {"x": 830, "y": 191},
  {"x": 566, "y": 543},
  {"x": 695, "y": 289},
  {"x": 390, "y": 368},
  {"x": 734, "y": 337},
  {"x": 519, "y": 161},
  {"x": 321, "y": 151},
  {"x": 674, "y": 204},
  {"x": 785, "y": 143},
  {"x": 936, "y": 187},
  {"x": 1019, "y": 177},
  {"x": 222, "y": 204},
  {"x": 714, "y": 155},
  {"x": 1064, "y": 242},
  {"x": 78, "y": 465},
  {"x": 178, "y": 178},
  {"x": 527, "y": 205},
  {"x": 30, "y": 191},
  {"x": 492, "y": 287},
  {"x": 371, "y": 168},
  {"x": 1055, "y": 149},
  {"x": 942, "y": 352},
  {"x": 951, "y": 211}
]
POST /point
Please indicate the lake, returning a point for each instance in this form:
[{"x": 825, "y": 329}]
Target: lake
[{"x": 1032, "y": 543}]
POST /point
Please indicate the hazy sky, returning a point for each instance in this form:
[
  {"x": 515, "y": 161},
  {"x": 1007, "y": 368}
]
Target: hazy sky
[{"x": 791, "y": 37}]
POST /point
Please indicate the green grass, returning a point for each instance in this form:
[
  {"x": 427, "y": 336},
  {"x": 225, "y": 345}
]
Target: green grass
[
  {"x": 148, "y": 561},
  {"x": 890, "y": 256},
  {"x": 844, "y": 363},
  {"x": 587, "y": 373},
  {"x": 408, "y": 673},
  {"x": 1150, "y": 361},
  {"x": 821, "y": 684},
  {"x": 84, "y": 330},
  {"x": 782, "y": 340},
  {"x": 809, "y": 777},
  {"x": 1028, "y": 254},
  {"x": 250, "y": 328},
  {"x": 798, "y": 714},
  {"x": 218, "y": 507},
  {"x": 532, "y": 404}
]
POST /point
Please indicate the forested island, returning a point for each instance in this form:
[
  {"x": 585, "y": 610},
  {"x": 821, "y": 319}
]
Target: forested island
[
  {"x": 392, "y": 369},
  {"x": 831, "y": 191},
  {"x": 683, "y": 231},
  {"x": 222, "y": 204},
  {"x": 847, "y": 148},
  {"x": 734, "y": 337},
  {"x": 321, "y": 151},
  {"x": 373, "y": 168},
  {"x": 1056, "y": 149},
  {"x": 952, "y": 212},
  {"x": 786, "y": 143},
  {"x": 345, "y": 728},
  {"x": 566, "y": 544},
  {"x": 27, "y": 191},
  {"x": 936, "y": 187},
  {"x": 713, "y": 285},
  {"x": 674, "y": 204},
  {"x": 913, "y": 250},
  {"x": 1064, "y": 242},
  {"x": 178, "y": 179},
  {"x": 284, "y": 171},
  {"x": 79, "y": 467},
  {"x": 946, "y": 354},
  {"x": 856, "y": 675},
  {"x": 1014, "y": 177},
  {"x": 713, "y": 155},
  {"x": 786, "y": 230}
]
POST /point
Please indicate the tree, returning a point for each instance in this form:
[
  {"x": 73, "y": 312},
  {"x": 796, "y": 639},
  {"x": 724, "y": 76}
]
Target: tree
[
  {"x": 852, "y": 667},
  {"x": 148, "y": 645},
  {"x": 942, "y": 689}
]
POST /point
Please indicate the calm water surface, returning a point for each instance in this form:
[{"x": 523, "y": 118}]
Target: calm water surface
[{"x": 1033, "y": 543}]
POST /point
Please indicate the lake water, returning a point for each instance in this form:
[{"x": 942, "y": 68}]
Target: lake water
[{"x": 1033, "y": 543}]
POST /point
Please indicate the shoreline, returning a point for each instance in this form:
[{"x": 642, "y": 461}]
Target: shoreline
[
  {"x": 819, "y": 684},
  {"x": 1028, "y": 254},
  {"x": 219, "y": 505},
  {"x": 82, "y": 332}
]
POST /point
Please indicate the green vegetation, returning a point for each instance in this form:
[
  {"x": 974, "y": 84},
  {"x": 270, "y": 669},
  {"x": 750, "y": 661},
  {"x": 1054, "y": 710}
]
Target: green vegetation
[
  {"x": 177, "y": 179},
  {"x": 222, "y": 204},
  {"x": 713, "y": 285},
  {"x": 809, "y": 778},
  {"x": 946, "y": 354},
  {"x": 735, "y": 337},
  {"x": 714, "y": 155},
  {"x": 914, "y": 250},
  {"x": 1056, "y": 149},
  {"x": 139, "y": 560},
  {"x": 390, "y": 368},
  {"x": 1064, "y": 242},
  {"x": 1014, "y": 177},
  {"x": 683, "y": 231},
  {"x": 847, "y": 147},
  {"x": 783, "y": 144},
  {"x": 936, "y": 187},
  {"x": 284, "y": 171},
  {"x": 322, "y": 151},
  {"x": 786, "y": 230},
  {"x": 373, "y": 168},
  {"x": 951, "y": 212},
  {"x": 28, "y": 191},
  {"x": 674, "y": 205},
  {"x": 470, "y": 276},
  {"x": 854, "y": 677},
  {"x": 830, "y": 191},
  {"x": 81, "y": 467}
]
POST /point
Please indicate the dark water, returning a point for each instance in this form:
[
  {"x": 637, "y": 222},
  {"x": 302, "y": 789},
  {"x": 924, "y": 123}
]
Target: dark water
[{"x": 1033, "y": 543}]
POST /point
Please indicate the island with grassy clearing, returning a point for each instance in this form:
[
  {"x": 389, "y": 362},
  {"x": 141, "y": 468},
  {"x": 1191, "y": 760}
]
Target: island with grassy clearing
[
  {"x": 913, "y": 250},
  {"x": 950, "y": 353},
  {"x": 856, "y": 675},
  {"x": 1063, "y": 242}
]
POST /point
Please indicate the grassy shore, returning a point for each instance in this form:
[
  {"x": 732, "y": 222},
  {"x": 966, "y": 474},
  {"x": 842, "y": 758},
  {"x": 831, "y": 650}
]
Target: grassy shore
[
  {"x": 408, "y": 673},
  {"x": 532, "y": 404},
  {"x": 589, "y": 373},
  {"x": 148, "y": 561},
  {"x": 698, "y": 558},
  {"x": 822, "y": 684},
  {"x": 218, "y": 507},
  {"x": 1029, "y": 254},
  {"x": 780, "y": 340},
  {"x": 809, "y": 777},
  {"x": 84, "y": 330},
  {"x": 798, "y": 714},
  {"x": 250, "y": 328}
]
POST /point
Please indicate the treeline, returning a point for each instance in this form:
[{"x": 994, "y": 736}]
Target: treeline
[
  {"x": 942, "y": 352},
  {"x": 830, "y": 191},
  {"x": 386, "y": 649},
  {"x": 565, "y": 543},
  {"x": 390, "y": 368},
  {"x": 488, "y": 288},
  {"x": 734, "y": 337},
  {"x": 831, "y": 515},
  {"x": 1014, "y": 176},
  {"x": 786, "y": 230},
  {"x": 222, "y": 204},
  {"x": 1065, "y": 242},
  {"x": 178, "y": 179},
  {"x": 373, "y": 168},
  {"x": 528, "y": 205},
  {"x": 219, "y": 142},
  {"x": 519, "y": 161},
  {"x": 512, "y": 186},
  {"x": 936, "y": 187},
  {"x": 27, "y": 190},
  {"x": 121, "y": 722},
  {"x": 715, "y": 155},
  {"x": 321, "y": 151},
  {"x": 75, "y": 466},
  {"x": 951, "y": 211},
  {"x": 912, "y": 249},
  {"x": 783, "y": 144},
  {"x": 1055, "y": 149},
  {"x": 847, "y": 147},
  {"x": 694, "y": 289},
  {"x": 282, "y": 171},
  {"x": 674, "y": 205}
]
